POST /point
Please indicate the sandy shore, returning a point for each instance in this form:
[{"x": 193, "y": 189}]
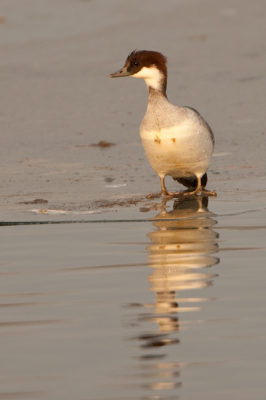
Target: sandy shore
[{"x": 57, "y": 99}]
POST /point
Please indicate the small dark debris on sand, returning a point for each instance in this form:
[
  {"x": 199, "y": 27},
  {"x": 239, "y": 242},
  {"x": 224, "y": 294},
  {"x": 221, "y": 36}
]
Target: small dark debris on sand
[
  {"x": 109, "y": 179},
  {"x": 102, "y": 144},
  {"x": 144, "y": 209},
  {"x": 36, "y": 201}
]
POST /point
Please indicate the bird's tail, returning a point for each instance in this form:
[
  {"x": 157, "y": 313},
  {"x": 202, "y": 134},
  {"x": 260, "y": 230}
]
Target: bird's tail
[{"x": 192, "y": 182}]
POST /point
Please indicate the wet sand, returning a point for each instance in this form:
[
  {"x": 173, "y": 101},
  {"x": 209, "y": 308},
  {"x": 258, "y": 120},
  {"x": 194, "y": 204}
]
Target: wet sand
[{"x": 106, "y": 294}]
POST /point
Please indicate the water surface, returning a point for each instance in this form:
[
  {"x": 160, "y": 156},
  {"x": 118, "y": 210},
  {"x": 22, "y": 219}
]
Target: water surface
[{"x": 169, "y": 305}]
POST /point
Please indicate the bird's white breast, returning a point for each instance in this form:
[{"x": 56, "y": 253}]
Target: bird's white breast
[{"x": 179, "y": 151}]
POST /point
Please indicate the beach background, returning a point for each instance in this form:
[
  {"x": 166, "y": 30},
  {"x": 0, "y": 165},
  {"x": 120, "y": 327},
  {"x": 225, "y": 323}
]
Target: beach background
[{"x": 57, "y": 99}]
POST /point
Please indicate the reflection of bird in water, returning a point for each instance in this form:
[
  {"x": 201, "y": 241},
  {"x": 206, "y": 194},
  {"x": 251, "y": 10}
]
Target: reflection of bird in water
[
  {"x": 181, "y": 247},
  {"x": 181, "y": 243},
  {"x": 178, "y": 142}
]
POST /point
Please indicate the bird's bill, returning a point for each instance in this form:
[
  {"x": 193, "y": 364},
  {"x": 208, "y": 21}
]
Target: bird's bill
[{"x": 121, "y": 72}]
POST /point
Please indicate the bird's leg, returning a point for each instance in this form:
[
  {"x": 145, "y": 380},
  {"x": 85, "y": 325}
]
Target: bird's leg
[
  {"x": 164, "y": 191},
  {"x": 199, "y": 189},
  {"x": 163, "y": 188}
]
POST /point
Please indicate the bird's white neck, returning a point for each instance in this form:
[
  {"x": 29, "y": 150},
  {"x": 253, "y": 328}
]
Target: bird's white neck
[{"x": 153, "y": 77}]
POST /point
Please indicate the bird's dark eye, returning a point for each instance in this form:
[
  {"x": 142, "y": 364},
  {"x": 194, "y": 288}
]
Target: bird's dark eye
[{"x": 136, "y": 63}]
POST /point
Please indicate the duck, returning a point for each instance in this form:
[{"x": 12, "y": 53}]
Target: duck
[{"x": 177, "y": 140}]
